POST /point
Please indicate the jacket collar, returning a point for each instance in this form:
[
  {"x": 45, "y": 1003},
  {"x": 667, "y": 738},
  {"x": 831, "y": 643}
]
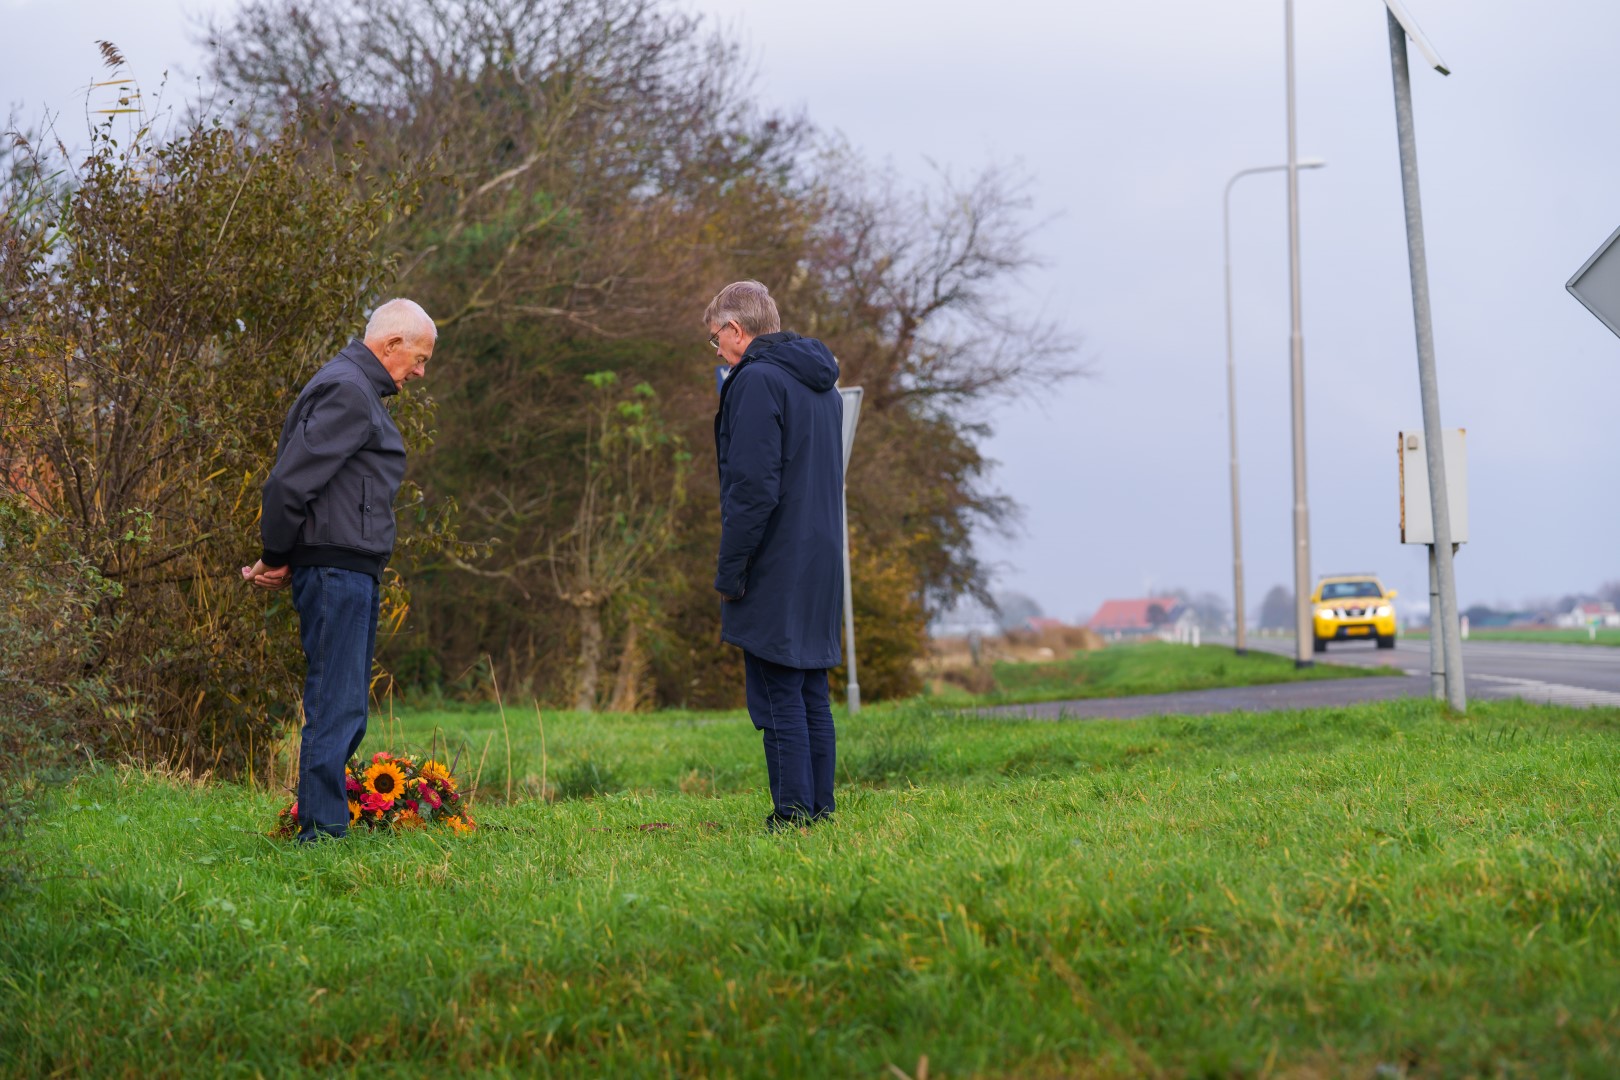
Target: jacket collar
[{"x": 359, "y": 354}]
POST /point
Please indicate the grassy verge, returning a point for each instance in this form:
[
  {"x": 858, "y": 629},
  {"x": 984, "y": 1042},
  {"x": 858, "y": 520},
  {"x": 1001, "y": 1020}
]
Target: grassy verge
[
  {"x": 1147, "y": 668},
  {"x": 1377, "y": 888},
  {"x": 1605, "y": 636}
]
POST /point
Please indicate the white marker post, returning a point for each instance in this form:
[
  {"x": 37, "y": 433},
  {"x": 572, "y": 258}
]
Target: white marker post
[{"x": 852, "y": 414}]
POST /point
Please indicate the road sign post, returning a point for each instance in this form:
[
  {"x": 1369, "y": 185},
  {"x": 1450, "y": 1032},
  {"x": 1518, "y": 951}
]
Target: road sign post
[{"x": 852, "y": 414}]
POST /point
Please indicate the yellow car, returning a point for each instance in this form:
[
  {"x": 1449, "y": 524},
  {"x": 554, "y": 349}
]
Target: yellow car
[{"x": 1352, "y": 607}]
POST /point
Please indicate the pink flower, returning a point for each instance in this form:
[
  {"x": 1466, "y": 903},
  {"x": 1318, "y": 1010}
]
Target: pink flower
[
  {"x": 431, "y": 797},
  {"x": 381, "y": 755},
  {"x": 352, "y": 784},
  {"x": 375, "y": 803},
  {"x": 411, "y": 805}
]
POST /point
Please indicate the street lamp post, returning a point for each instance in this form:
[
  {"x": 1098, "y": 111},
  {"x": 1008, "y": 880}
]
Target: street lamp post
[
  {"x": 1231, "y": 395},
  {"x": 1444, "y": 621},
  {"x": 1303, "y": 644}
]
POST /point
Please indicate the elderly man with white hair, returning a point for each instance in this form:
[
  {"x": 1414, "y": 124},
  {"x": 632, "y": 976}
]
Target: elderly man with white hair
[{"x": 328, "y": 531}]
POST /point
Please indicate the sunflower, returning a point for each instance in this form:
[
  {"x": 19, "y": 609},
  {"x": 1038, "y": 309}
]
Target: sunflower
[
  {"x": 385, "y": 779},
  {"x": 354, "y": 812},
  {"x": 436, "y": 772}
]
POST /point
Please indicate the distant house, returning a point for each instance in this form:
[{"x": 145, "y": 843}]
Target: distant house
[
  {"x": 1590, "y": 613},
  {"x": 1152, "y": 616},
  {"x": 1042, "y": 622}
]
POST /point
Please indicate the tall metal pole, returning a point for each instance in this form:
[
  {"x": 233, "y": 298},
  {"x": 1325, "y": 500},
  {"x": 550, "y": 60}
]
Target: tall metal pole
[
  {"x": 1303, "y": 637},
  {"x": 1231, "y": 396},
  {"x": 1231, "y": 423},
  {"x": 1428, "y": 383}
]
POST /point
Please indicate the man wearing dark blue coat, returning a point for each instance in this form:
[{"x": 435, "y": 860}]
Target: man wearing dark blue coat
[{"x": 779, "y": 439}]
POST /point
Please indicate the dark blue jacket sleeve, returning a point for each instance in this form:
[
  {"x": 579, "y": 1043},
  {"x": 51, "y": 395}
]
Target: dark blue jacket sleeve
[
  {"x": 752, "y": 484},
  {"x": 335, "y": 426}
]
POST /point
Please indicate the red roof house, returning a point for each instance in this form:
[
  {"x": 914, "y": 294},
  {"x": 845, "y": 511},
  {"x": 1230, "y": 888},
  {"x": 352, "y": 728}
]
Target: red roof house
[{"x": 1142, "y": 616}]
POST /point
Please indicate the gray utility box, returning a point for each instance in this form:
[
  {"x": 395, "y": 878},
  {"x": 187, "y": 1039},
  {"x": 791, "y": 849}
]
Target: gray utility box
[{"x": 1417, "y": 518}]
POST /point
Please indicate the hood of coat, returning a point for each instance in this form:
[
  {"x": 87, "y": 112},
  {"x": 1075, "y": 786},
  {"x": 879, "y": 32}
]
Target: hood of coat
[{"x": 806, "y": 359}]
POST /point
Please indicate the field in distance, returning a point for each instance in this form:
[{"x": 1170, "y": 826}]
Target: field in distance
[{"x": 1121, "y": 670}]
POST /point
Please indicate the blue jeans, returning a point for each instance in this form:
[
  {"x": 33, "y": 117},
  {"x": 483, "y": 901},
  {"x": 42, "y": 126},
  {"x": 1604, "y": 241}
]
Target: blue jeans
[
  {"x": 337, "y": 622},
  {"x": 790, "y": 707}
]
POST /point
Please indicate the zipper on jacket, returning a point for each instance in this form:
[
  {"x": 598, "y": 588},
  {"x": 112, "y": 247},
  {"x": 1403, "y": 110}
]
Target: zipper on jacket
[{"x": 365, "y": 508}]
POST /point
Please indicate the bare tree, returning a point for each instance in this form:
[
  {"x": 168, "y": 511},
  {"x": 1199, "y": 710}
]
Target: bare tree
[{"x": 917, "y": 283}]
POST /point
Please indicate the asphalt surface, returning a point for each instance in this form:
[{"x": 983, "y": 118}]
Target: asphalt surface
[{"x": 1581, "y": 675}]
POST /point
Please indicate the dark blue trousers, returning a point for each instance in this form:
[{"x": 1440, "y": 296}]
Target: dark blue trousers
[
  {"x": 337, "y": 621},
  {"x": 791, "y": 709}
]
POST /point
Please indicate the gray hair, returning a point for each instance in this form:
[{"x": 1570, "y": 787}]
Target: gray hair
[
  {"x": 749, "y": 303},
  {"x": 400, "y": 316}
]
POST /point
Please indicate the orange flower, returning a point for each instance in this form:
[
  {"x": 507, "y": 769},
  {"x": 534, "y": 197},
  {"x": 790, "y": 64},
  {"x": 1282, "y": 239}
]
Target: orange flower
[
  {"x": 410, "y": 819},
  {"x": 354, "y": 812},
  {"x": 459, "y": 824},
  {"x": 436, "y": 772}
]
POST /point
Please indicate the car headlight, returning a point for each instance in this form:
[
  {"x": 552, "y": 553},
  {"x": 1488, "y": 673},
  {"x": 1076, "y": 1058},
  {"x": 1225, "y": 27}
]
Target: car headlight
[
  {"x": 1325, "y": 613},
  {"x": 1384, "y": 612}
]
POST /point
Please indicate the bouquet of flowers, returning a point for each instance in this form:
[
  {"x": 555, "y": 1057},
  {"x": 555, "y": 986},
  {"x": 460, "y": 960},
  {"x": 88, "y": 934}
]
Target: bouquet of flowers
[{"x": 395, "y": 791}]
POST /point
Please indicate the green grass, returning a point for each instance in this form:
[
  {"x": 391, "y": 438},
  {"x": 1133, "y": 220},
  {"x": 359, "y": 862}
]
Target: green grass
[
  {"x": 1146, "y": 668},
  {"x": 1605, "y": 636},
  {"x": 1377, "y": 888}
]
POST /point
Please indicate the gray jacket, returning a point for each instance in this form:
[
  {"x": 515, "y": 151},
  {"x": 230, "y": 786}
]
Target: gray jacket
[{"x": 329, "y": 500}]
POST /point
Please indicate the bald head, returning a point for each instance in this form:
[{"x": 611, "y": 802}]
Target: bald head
[{"x": 402, "y": 337}]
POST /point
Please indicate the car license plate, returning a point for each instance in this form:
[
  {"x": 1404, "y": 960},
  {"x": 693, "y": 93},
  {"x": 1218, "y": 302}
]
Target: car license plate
[{"x": 1355, "y": 629}]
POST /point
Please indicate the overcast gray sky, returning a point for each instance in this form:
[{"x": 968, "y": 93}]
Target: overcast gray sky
[{"x": 1130, "y": 118}]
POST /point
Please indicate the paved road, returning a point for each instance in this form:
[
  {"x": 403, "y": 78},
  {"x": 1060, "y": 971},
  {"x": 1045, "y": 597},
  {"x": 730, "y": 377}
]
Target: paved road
[
  {"x": 1562, "y": 674},
  {"x": 1558, "y": 674}
]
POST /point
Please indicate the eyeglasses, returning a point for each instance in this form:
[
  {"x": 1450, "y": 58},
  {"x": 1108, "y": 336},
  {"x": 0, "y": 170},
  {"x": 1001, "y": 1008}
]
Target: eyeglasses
[{"x": 714, "y": 338}]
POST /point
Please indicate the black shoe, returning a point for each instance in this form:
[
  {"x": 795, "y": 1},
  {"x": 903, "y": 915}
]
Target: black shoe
[{"x": 775, "y": 822}]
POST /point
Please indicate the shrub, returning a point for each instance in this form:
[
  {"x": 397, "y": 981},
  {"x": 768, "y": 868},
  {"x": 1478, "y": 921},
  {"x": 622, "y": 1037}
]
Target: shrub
[
  {"x": 157, "y": 332},
  {"x": 48, "y": 602}
]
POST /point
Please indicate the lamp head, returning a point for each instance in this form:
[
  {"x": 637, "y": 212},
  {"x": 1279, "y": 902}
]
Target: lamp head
[{"x": 1415, "y": 32}]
